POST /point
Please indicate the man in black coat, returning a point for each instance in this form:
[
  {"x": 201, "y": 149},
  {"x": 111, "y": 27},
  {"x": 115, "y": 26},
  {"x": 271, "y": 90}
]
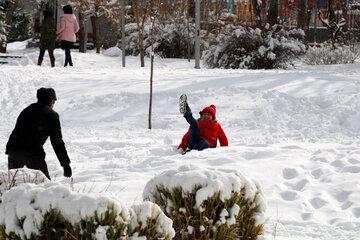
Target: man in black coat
[{"x": 34, "y": 125}]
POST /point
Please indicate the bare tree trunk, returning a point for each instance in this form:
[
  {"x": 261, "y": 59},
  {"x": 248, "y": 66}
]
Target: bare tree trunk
[
  {"x": 188, "y": 38},
  {"x": 304, "y": 16},
  {"x": 191, "y": 8},
  {"x": 94, "y": 38},
  {"x": 308, "y": 17},
  {"x": 153, "y": 18},
  {"x": 331, "y": 11},
  {"x": 140, "y": 30},
  {"x": 272, "y": 13},
  {"x": 301, "y": 14},
  {"x": 151, "y": 75},
  {"x": 97, "y": 35},
  {"x": 345, "y": 7},
  {"x": 257, "y": 12},
  {"x": 82, "y": 47}
]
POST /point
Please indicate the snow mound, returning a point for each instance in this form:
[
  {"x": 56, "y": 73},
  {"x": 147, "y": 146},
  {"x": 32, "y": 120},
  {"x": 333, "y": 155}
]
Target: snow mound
[
  {"x": 112, "y": 52},
  {"x": 15, "y": 177}
]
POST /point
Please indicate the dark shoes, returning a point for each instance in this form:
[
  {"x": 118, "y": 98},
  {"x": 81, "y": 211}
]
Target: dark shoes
[{"x": 52, "y": 60}]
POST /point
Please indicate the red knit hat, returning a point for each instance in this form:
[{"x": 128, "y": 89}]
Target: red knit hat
[{"x": 211, "y": 109}]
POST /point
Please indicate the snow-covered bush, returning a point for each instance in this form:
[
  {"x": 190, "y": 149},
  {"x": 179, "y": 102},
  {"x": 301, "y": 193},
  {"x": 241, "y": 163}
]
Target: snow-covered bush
[
  {"x": 53, "y": 211},
  {"x": 150, "y": 222},
  {"x": 170, "y": 39},
  {"x": 245, "y": 47},
  {"x": 16, "y": 177},
  {"x": 328, "y": 53},
  {"x": 209, "y": 203}
]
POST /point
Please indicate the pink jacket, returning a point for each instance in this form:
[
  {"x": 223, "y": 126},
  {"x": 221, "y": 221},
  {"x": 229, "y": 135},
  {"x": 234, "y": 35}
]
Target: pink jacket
[{"x": 68, "y": 27}]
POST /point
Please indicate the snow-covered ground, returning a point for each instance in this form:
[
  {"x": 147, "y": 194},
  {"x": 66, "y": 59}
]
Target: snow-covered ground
[{"x": 295, "y": 131}]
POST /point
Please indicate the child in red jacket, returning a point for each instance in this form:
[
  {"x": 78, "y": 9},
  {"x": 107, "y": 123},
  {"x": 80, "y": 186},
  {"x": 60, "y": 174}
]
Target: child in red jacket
[{"x": 204, "y": 132}]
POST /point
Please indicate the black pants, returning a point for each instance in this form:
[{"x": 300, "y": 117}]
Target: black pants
[
  {"x": 68, "y": 59},
  {"x": 42, "y": 53},
  {"x": 19, "y": 160}
]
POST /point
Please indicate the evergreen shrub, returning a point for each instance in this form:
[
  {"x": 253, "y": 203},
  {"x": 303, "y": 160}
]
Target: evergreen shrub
[
  {"x": 55, "y": 226},
  {"x": 52, "y": 211},
  {"x": 32, "y": 207},
  {"x": 202, "y": 214},
  {"x": 149, "y": 221}
]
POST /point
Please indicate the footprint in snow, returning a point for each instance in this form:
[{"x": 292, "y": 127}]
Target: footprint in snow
[
  {"x": 337, "y": 164},
  {"x": 356, "y": 212},
  {"x": 317, "y": 202},
  {"x": 351, "y": 169},
  {"x": 300, "y": 185},
  {"x": 317, "y": 173},
  {"x": 289, "y": 195},
  {"x": 290, "y": 173},
  {"x": 342, "y": 196},
  {"x": 353, "y": 161}
]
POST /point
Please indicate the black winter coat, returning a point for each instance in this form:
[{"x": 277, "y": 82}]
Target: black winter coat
[
  {"x": 48, "y": 34},
  {"x": 34, "y": 125}
]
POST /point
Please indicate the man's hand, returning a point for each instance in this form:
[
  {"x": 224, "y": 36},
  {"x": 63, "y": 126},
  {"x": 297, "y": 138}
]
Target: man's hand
[{"x": 67, "y": 171}]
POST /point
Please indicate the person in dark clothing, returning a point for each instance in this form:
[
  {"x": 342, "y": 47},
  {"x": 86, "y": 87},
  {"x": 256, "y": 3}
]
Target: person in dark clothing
[
  {"x": 47, "y": 38},
  {"x": 34, "y": 125}
]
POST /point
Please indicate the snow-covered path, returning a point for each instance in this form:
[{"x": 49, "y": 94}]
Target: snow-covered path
[{"x": 295, "y": 131}]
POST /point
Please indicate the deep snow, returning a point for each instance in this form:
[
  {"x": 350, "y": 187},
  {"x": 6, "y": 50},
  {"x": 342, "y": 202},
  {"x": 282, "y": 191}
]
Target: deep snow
[{"x": 295, "y": 131}]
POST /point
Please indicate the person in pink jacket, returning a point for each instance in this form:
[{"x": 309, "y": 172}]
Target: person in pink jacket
[{"x": 68, "y": 28}]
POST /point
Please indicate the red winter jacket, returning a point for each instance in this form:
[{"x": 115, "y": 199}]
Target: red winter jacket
[{"x": 210, "y": 131}]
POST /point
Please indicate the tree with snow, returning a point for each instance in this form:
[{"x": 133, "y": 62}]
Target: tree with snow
[
  {"x": 95, "y": 9},
  {"x": 7, "y": 8},
  {"x": 21, "y": 28},
  {"x": 3, "y": 30}
]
